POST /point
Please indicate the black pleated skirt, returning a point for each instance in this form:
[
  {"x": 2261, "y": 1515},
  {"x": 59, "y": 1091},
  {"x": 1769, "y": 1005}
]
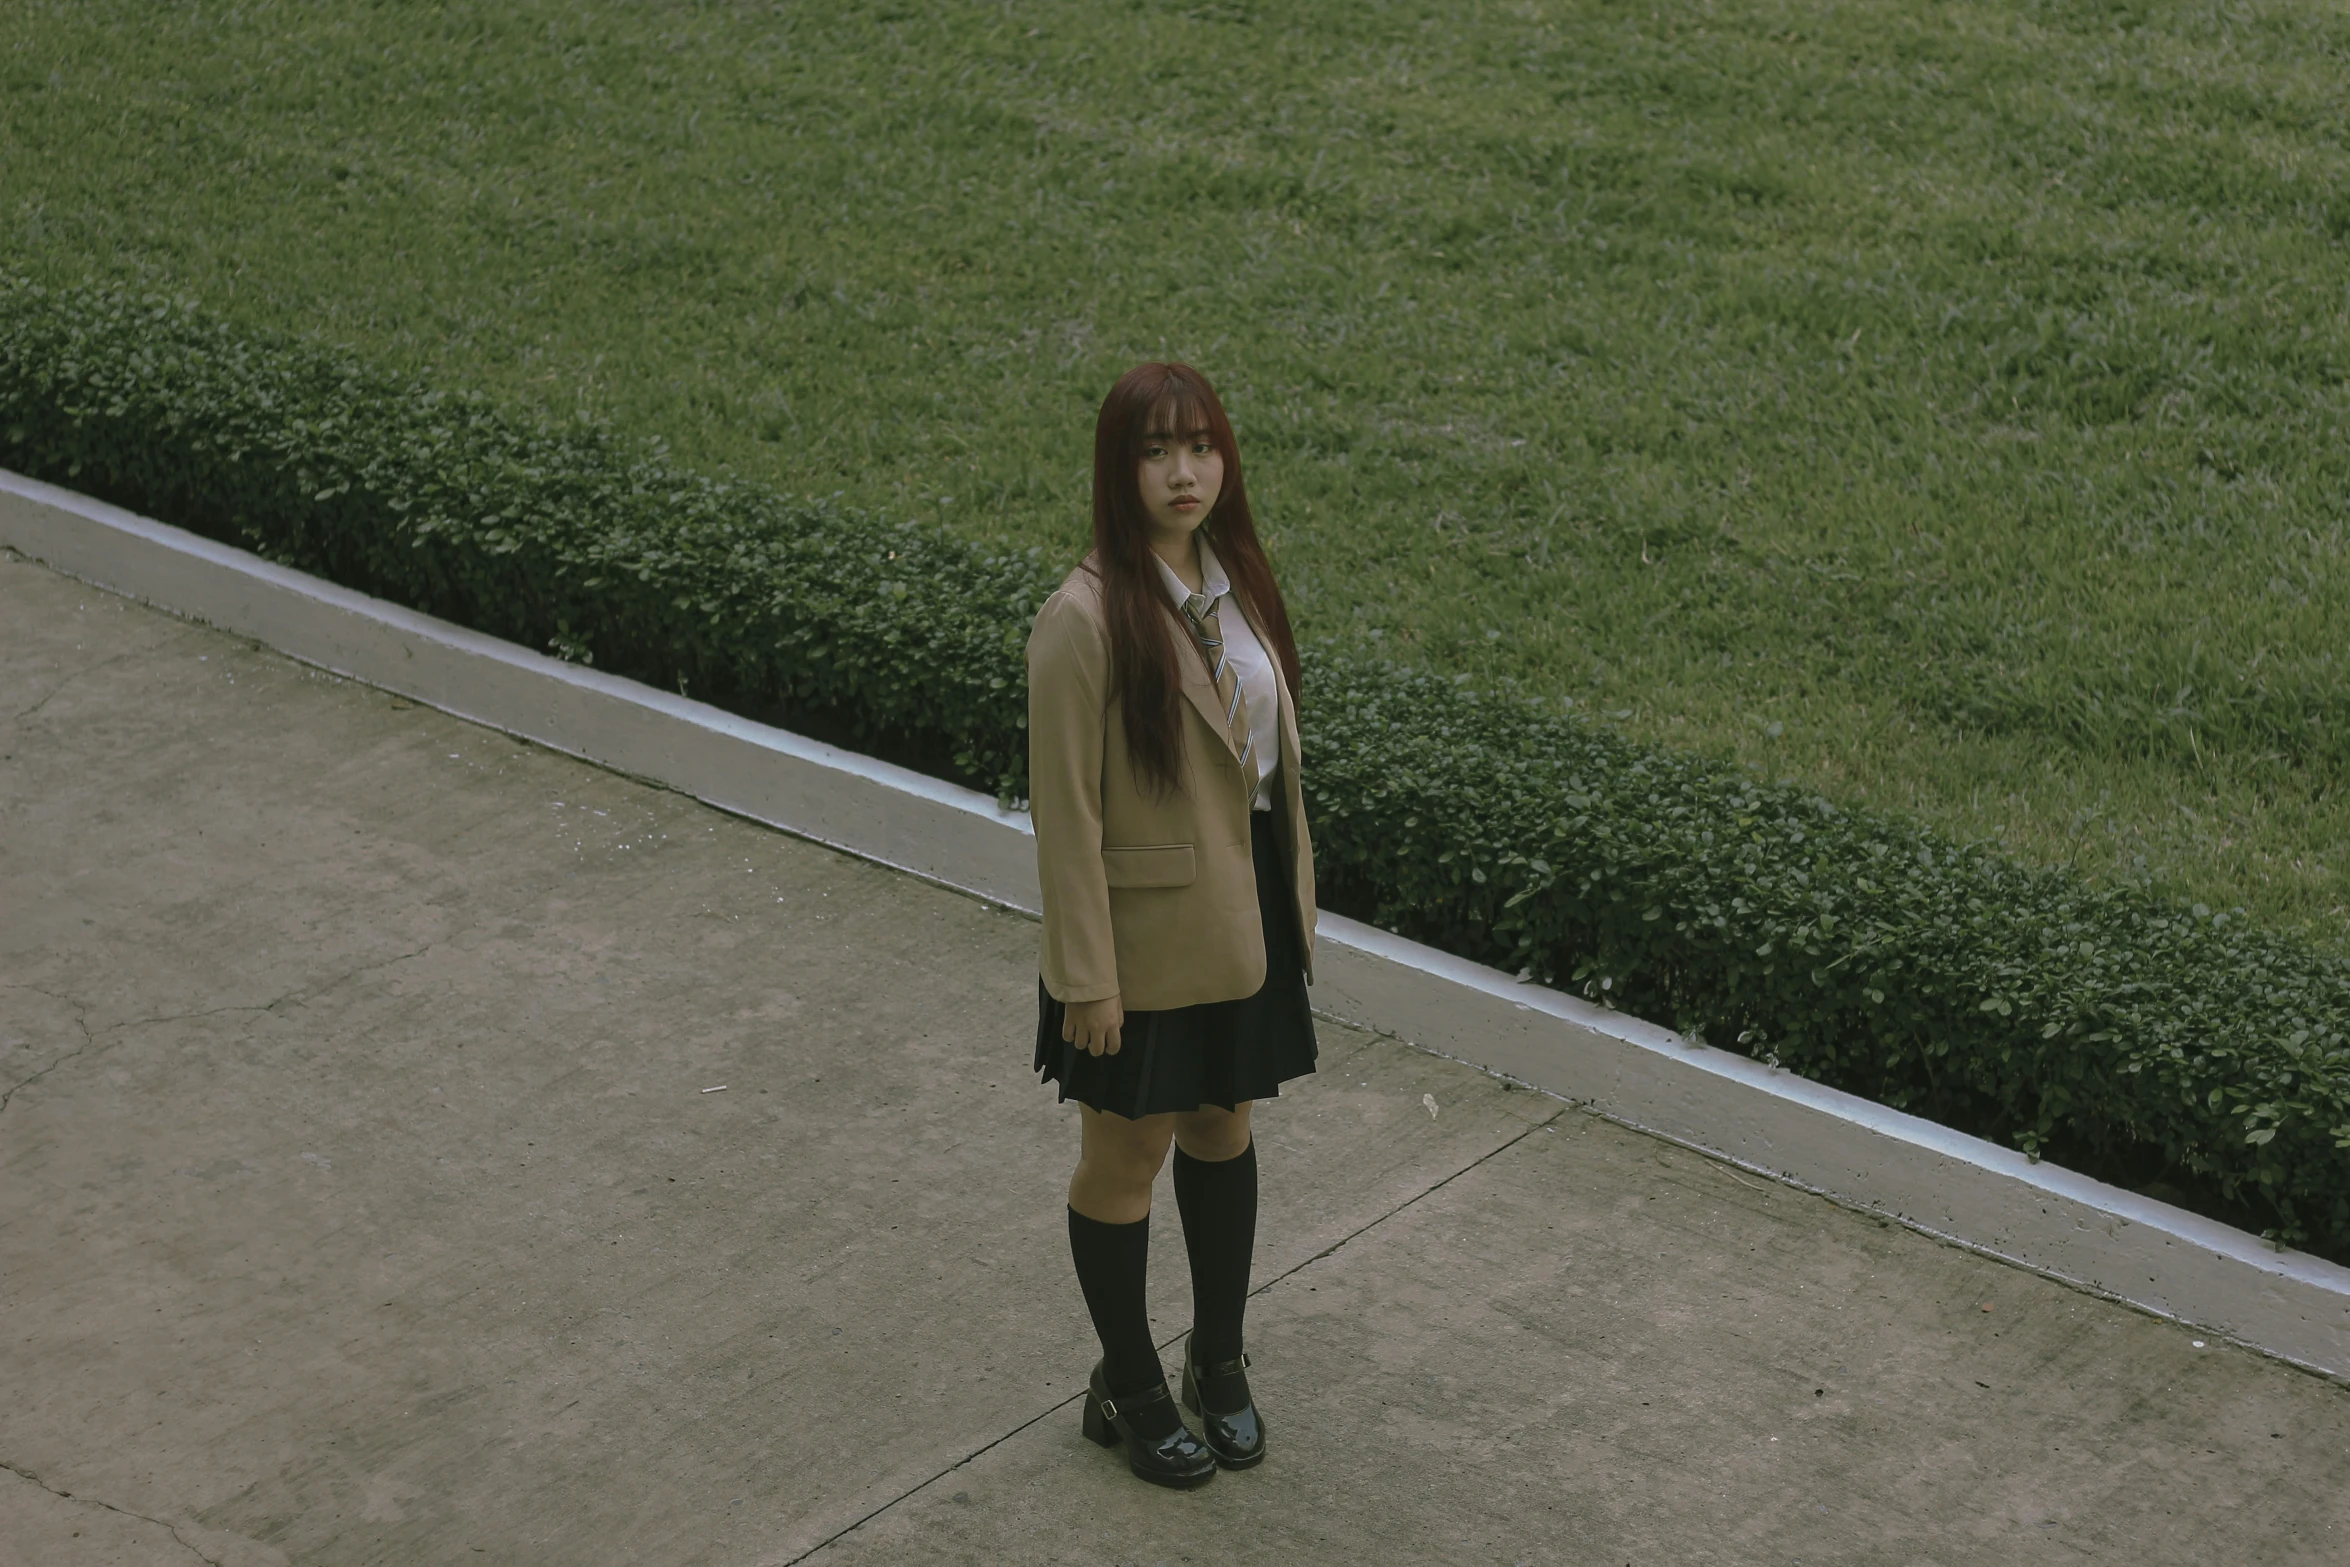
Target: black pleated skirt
[{"x": 1217, "y": 1053}]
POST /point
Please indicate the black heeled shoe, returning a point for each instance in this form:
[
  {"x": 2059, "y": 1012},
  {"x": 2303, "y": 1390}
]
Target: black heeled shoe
[
  {"x": 1163, "y": 1457},
  {"x": 1236, "y": 1437}
]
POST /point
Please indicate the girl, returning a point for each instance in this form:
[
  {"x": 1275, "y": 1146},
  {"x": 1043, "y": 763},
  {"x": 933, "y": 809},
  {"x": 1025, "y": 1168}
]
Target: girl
[{"x": 1178, "y": 899}]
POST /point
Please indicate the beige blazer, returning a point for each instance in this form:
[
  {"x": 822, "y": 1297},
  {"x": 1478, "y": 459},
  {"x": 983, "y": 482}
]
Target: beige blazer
[{"x": 1149, "y": 898}]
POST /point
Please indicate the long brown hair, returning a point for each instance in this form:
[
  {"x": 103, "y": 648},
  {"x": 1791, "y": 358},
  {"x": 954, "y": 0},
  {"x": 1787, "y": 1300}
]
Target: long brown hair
[{"x": 1176, "y": 401}]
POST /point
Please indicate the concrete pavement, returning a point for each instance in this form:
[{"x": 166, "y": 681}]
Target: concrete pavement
[{"x": 363, "y": 1203}]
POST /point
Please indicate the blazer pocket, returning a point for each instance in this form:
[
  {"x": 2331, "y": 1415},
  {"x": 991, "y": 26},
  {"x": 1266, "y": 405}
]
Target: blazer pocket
[{"x": 1157, "y": 865}]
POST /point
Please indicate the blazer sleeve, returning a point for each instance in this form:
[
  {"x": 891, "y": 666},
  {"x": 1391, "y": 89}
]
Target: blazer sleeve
[{"x": 1068, "y": 707}]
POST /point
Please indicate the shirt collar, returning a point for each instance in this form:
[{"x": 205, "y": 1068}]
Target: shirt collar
[{"x": 1213, "y": 582}]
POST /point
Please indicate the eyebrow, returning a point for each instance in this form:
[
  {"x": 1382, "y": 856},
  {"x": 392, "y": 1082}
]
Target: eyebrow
[{"x": 1203, "y": 433}]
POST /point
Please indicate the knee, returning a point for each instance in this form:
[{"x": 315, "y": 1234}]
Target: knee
[
  {"x": 1212, "y": 1139},
  {"x": 1130, "y": 1161}
]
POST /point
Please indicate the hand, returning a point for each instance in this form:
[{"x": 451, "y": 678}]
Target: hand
[{"x": 1093, "y": 1025}]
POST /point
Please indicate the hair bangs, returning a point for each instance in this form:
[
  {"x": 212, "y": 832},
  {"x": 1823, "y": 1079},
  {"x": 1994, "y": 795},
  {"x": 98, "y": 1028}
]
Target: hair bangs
[{"x": 1179, "y": 413}]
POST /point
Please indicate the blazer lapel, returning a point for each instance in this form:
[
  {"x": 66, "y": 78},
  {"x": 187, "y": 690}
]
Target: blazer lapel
[
  {"x": 1285, "y": 732},
  {"x": 1211, "y": 707}
]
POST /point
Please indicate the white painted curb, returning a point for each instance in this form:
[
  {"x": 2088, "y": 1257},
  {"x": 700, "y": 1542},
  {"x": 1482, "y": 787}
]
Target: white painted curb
[{"x": 1944, "y": 1183}]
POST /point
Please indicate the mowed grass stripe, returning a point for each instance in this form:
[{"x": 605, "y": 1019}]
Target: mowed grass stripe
[{"x": 1938, "y": 404}]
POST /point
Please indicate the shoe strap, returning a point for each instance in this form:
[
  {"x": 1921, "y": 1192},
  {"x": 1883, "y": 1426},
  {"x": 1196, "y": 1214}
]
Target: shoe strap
[
  {"x": 1113, "y": 1407},
  {"x": 1222, "y": 1368}
]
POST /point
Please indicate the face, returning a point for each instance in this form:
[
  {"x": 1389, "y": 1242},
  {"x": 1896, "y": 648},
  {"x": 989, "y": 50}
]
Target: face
[{"x": 1180, "y": 478}]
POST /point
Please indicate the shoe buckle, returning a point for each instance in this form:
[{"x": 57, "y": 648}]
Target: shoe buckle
[{"x": 1109, "y": 1409}]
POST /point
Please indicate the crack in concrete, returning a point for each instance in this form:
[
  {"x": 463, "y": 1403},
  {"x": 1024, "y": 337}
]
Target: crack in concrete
[
  {"x": 182, "y": 1017},
  {"x": 1350, "y": 1237},
  {"x": 298, "y": 993},
  {"x": 88, "y": 1039},
  {"x": 86, "y": 669},
  {"x": 192, "y": 1549},
  {"x": 342, "y": 978},
  {"x": 43, "y": 990},
  {"x": 18, "y": 718}
]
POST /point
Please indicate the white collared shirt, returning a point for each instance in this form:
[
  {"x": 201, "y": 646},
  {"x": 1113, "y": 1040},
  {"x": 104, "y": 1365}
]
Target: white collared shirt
[{"x": 1249, "y": 660}]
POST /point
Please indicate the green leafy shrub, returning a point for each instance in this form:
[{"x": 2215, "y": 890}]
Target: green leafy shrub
[
  {"x": 2133, "y": 1040},
  {"x": 898, "y": 638},
  {"x": 2122, "y": 1036}
]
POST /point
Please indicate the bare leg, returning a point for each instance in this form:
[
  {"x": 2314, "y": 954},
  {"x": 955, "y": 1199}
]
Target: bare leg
[
  {"x": 1211, "y": 1134},
  {"x": 1116, "y": 1162}
]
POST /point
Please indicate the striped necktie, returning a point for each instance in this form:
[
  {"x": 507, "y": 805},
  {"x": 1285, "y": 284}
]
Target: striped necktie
[{"x": 1200, "y": 610}]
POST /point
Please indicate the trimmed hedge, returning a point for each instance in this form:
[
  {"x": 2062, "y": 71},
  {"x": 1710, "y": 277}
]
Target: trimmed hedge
[
  {"x": 2099, "y": 1027},
  {"x": 2129, "y": 1038},
  {"x": 896, "y": 637}
]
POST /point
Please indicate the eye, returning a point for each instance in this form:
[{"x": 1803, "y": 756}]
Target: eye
[{"x": 1202, "y": 448}]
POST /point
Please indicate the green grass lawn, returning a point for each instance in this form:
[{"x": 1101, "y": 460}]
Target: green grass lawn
[{"x": 1941, "y": 403}]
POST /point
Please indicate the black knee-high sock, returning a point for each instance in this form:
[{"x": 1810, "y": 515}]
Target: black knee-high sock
[
  {"x": 1218, "y": 1201},
  {"x": 1113, "y": 1261}
]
